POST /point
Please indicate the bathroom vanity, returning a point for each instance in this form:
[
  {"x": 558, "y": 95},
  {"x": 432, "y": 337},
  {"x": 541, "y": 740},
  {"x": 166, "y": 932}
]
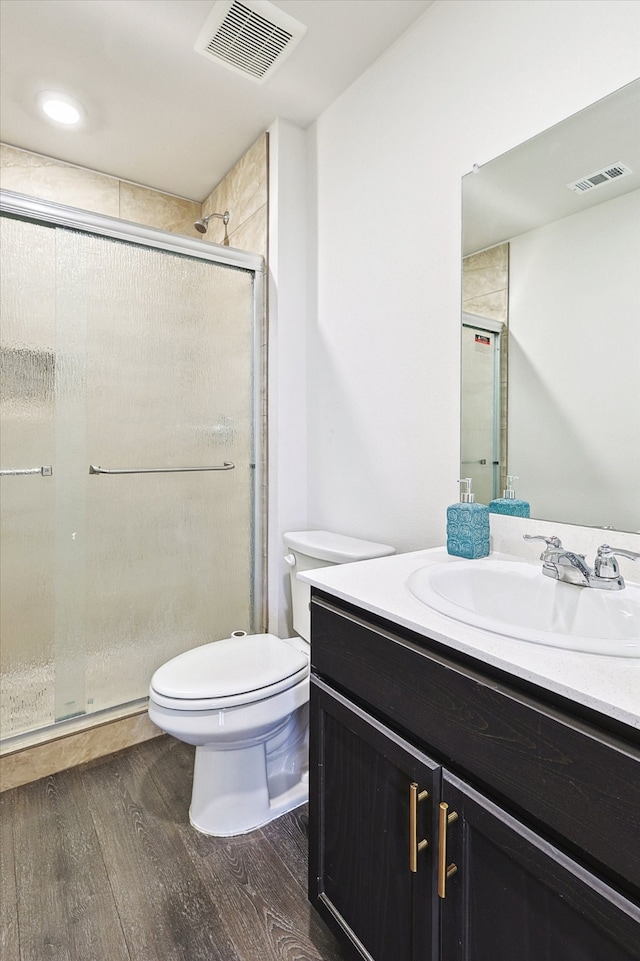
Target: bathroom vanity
[{"x": 471, "y": 796}]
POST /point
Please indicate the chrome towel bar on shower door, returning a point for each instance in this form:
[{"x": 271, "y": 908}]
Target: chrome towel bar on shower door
[
  {"x": 156, "y": 470},
  {"x": 46, "y": 471}
]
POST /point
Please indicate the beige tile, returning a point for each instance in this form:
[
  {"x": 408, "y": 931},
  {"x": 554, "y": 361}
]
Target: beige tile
[
  {"x": 243, "y": 191},
  {"x": 252, "y": 234},
  {"x": 485, "y": 283},
  {"x": 478, "y": 282},
  {"x": 493, "y": 305},
  {"x": 47, "y": 179},
  {"x": 142, "y": 205},
  {"x": 492, "y": 257},
  {"x": 41, "y": 760}
]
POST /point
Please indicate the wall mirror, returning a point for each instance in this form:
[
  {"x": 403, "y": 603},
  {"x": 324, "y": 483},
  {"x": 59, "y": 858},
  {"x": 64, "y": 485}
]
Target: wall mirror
[{"x": 551, "y": 319}]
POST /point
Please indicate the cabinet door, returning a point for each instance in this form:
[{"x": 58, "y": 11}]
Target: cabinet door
[
  {"x": 364, "y": 782},
  {"x": 515, "y": 897}
]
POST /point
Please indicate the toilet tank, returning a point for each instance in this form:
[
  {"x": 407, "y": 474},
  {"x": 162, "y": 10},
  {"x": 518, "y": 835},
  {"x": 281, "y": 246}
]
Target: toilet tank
[{"x": 312, "y": 549}]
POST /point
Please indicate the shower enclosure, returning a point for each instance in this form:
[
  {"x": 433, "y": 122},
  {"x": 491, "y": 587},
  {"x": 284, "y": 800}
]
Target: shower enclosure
[
  {"x": 130, "y": 457},
  {"x": 482, "y": 417}
]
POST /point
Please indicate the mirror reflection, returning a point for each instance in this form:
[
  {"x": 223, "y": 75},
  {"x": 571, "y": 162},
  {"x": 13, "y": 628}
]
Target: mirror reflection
[{"x": 551, "y": 319}]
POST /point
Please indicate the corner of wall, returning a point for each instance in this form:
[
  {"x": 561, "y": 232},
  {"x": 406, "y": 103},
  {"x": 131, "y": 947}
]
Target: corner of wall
[{"x": 287, "y": 338}]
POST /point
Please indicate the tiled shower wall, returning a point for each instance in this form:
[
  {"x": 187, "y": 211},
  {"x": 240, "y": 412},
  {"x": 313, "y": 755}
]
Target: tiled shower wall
[
  {"x": 485, "y": 283},
  {"x": 244, "y": 193},
  {"x": 48, "y": 179}
]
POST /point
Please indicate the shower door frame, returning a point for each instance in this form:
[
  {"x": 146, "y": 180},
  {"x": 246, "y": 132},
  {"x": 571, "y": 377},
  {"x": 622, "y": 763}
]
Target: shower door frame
[
  {"x": 23, "y": 207},
  {"x": 497, "y": 330}
]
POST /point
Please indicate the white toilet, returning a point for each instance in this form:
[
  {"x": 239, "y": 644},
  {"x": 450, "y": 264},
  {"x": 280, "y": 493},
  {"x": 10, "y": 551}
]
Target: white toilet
[{"x": 243, "y": 702}]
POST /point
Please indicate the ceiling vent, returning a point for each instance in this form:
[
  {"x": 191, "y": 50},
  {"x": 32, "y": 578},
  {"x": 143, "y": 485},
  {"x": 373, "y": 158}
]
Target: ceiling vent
[
  {"x": 599, "y": 178},
  {"x": 252, "y": 38}
]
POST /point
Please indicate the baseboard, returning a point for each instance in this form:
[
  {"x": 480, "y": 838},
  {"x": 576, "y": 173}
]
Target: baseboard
[{"x": 36, "y": 761}]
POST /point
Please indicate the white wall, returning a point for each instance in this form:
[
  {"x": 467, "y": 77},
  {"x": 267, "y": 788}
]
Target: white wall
[
  {"x": 574, "y": 365},
  {"x": 287, "y": 396},
  {"x": 471, "y": 79},
  {"x": 378, "y": 453}
]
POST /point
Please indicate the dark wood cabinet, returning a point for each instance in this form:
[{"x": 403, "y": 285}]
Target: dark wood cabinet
[
  {"x": 375, "y": 804},
  {"x": 515, "y": 896},
  {"x": 503, "y": 876}
]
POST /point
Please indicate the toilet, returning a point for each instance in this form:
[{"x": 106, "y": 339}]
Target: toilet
[{"x": 244, "y": 701}]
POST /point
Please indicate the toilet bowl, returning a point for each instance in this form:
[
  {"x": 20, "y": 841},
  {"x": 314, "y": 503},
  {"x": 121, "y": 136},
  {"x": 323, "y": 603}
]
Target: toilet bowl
[{"x": 243, "y": 702}]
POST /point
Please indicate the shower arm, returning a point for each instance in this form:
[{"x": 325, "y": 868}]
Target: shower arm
[{"x": 223, "y": 217}]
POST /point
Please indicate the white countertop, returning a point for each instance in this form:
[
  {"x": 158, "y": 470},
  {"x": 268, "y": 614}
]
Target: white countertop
[{"x": 609, "y": 685}]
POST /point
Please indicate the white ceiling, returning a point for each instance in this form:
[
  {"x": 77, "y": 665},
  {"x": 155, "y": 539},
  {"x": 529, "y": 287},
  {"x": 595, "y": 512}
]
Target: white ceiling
[{"x": 158, "y": 112}]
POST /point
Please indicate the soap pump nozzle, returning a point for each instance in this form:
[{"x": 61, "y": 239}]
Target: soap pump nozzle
[
  {"x": 510, "y": 493},
  {"x": 466, "y": 496}
]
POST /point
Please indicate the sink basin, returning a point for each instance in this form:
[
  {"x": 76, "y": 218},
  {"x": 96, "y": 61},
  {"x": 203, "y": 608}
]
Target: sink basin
[{"x": 516, "y": 600}]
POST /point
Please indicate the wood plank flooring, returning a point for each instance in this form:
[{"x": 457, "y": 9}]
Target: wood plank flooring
[{"x": 100, "y": 863}]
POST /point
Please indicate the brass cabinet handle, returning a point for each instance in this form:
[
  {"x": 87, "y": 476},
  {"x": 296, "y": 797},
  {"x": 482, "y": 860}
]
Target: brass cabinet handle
[
  {"x": 414, "y": 845},
  {"x": 444, "y": 870}
]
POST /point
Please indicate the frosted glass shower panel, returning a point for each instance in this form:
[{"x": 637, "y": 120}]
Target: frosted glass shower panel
[
  {"x": 27, "y": 501},
  {"x": 169, "y": 344}
]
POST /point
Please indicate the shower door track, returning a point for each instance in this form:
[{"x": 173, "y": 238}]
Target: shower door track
[{"x": 45, "y": 212}]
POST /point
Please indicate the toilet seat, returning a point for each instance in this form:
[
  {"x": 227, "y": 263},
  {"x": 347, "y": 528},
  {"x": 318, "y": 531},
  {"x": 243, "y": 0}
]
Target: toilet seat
[{"x": 229, "y": 673}]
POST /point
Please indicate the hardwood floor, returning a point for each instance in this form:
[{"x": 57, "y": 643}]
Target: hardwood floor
[{"x": 100, "y": 863}]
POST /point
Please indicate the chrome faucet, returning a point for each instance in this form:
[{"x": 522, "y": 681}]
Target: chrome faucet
[{"x": 573, "y": 568}]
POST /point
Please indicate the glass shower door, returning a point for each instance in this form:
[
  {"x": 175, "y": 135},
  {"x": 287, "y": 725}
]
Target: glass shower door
[
  {"x": 152, "y": 375},
  {"x": 27, "y": 500},
  {"x": 480, "y": 412}
]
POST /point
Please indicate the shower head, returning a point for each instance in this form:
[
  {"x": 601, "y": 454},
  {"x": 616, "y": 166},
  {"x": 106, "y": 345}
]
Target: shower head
[{"x": 202, "y": 224}]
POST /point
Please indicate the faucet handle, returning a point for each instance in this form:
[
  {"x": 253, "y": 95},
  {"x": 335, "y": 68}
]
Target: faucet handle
[
  {"x": 550, "y": 541},
  {"x": 606, "y": 565},
  {"x": 554, "y": 544}
]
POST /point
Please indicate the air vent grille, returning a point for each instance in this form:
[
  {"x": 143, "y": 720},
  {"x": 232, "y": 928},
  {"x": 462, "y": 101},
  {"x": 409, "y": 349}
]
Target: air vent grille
[
  {"x": 252, "y": 37},
  {"x": 599, "y": 178}
]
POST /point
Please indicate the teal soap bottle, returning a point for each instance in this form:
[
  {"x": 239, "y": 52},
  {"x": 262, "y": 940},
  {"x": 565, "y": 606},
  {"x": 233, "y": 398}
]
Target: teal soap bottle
[
  {"x": 467, "y": 525},
  {"x": 509, "y": 503}
]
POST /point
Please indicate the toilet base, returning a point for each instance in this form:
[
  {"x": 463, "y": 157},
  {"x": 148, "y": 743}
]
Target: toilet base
[
  {"x": 288, "y": 801},
  {"x": 236, "y": 791}
]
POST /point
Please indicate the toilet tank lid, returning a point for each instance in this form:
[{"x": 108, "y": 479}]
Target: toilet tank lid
[{"x": 326, "y": 546}]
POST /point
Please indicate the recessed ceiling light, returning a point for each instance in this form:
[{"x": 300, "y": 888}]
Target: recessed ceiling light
[{"x": 60, "y": 108}]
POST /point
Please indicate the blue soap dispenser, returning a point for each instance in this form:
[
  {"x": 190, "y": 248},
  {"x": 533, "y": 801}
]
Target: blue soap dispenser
[
  {"x": 468, "y": 525},
  {"x": 509, "y": 503}
]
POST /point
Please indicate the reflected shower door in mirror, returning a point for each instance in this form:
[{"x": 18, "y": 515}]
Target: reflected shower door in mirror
[
  {"x": 481, "y": 416},
  {"x": 565, "y": 206}
]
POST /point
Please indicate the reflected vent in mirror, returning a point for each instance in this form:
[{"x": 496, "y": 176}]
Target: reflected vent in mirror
[
  {"x": 599, "y": 178},
  {"x": 252, "y": 38}
]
